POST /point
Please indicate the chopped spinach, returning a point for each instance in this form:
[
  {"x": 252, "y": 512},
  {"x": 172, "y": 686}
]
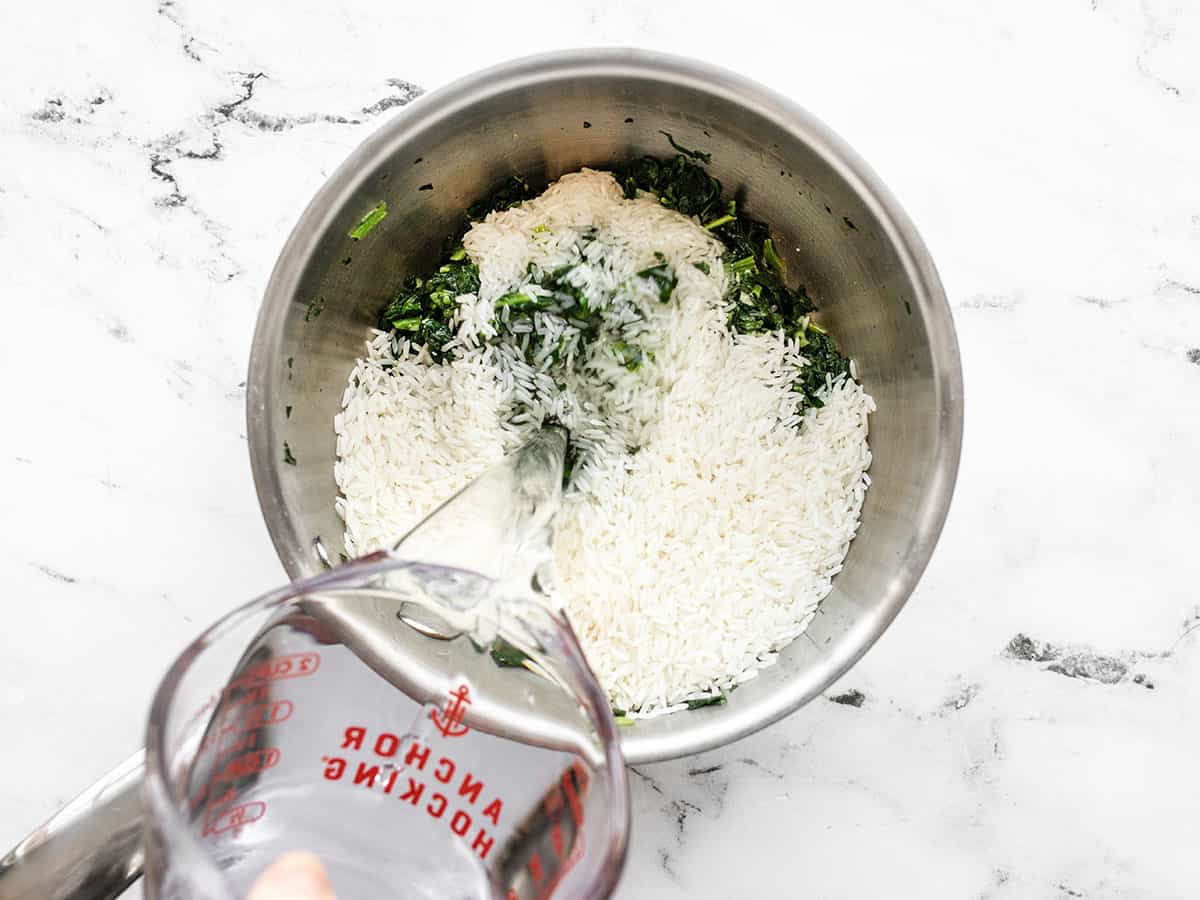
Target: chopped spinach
[
  {"x": 556, "y": 294},
  {"x": 508, "y": 193},
  {"x": 774, "y": 260},
  {"x": 718, "y": 700},
  {"x": 627, "y": 355},
  {"x": 759, "y": 299},
  {"x": 679, "y": 184},
  {"x": 663, "y": 277},
  {"x": 507, "y": 656},
  {"x": 516, "y": 300},
  {"x": 570, "y": 461},
  {"x": 423, "y": 309},
  {"x": 720, "y": 220},
  {"x": 369, "y": 221},
  {"x": 824, "y": 360}
]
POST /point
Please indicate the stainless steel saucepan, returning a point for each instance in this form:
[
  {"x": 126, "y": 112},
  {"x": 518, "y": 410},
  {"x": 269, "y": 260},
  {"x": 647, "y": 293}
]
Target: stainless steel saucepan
[{"x": 853, "y": 247}]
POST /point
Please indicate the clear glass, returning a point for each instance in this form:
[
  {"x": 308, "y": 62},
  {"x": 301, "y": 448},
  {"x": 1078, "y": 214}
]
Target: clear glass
[
  {"x": 425, "y": 730},
  {"x": 350, "y": 715}
]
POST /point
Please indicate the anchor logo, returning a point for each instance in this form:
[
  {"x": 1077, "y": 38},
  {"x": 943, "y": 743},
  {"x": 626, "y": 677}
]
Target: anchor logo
[
  {"x": 234, "y": 819},
  {"x": 449, "y": 722}
]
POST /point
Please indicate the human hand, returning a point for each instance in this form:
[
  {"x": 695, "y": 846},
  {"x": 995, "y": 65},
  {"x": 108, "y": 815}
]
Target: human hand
[{"x": 294, "y": 876}]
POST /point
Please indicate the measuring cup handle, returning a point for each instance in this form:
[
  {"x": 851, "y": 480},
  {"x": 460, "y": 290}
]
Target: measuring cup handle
[{"x": 91, "y": 849}]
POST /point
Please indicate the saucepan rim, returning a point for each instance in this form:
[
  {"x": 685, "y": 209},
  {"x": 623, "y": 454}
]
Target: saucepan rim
[{"x": 718, "y": 725}]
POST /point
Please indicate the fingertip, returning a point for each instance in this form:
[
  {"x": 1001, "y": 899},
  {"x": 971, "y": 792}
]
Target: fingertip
[{"x": 297, "y": 875}]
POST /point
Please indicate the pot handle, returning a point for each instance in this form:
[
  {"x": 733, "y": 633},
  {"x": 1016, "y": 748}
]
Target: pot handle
[{"x": 91, "y": 849}]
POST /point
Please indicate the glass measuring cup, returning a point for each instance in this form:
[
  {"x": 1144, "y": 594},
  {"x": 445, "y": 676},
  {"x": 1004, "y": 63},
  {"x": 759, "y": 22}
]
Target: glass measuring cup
[
  {"x": 398, "y": 721},
  {"x": 428, "y": 729}
]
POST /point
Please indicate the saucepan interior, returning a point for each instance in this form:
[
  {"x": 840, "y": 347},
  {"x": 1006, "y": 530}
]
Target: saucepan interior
[{"x": 838, "y": 227}]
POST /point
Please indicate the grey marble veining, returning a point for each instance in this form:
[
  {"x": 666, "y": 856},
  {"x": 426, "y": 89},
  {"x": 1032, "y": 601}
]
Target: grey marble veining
[{"x": 1028, "y": 726}]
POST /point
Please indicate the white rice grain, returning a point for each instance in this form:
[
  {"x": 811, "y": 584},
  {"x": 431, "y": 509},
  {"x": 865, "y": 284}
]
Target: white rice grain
[{"x": 686, "y": 565}]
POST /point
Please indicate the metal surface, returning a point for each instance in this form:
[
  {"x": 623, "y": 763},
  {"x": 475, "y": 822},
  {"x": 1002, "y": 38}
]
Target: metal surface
[
  {"x": 90, "y": 850},
  {"x": 840, "y": 229}
]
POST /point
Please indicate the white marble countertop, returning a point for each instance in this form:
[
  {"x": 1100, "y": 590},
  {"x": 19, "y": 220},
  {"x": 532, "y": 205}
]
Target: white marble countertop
[{"x": 154, "y": 158}]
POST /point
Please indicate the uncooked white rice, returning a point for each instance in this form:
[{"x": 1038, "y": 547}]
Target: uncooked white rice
[{"x": 686, "y": 565}]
